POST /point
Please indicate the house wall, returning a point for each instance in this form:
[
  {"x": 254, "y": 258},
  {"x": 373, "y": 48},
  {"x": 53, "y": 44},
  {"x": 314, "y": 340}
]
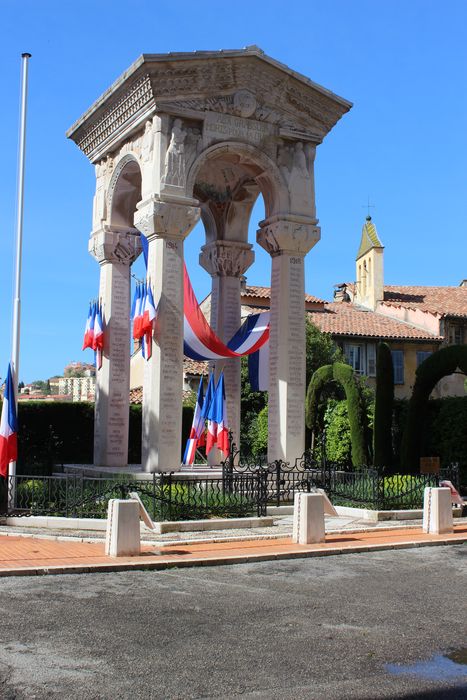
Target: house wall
[{"x": 416, "y": 317}]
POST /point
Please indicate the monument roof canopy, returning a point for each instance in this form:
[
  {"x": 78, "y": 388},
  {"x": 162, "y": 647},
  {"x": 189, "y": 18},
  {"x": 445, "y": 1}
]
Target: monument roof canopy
[{"x": 243, "y": 82}]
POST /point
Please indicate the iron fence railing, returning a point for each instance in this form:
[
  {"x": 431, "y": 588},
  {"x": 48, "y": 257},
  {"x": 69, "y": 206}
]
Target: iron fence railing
[
  {"x": 165, "y": 496},
  {"x": 345, "y": 485},
  {"x": 246, "y": 487}
]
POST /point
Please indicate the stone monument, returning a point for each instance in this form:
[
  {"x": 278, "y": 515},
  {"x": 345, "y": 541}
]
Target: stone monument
[{"x": 182, "y": 136}]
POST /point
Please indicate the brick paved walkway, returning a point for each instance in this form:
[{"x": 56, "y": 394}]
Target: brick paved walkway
[{"x": 29, "y": 556}]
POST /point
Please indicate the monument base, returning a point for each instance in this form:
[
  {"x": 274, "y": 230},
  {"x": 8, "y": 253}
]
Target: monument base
[{"x": 135, "y": 471}]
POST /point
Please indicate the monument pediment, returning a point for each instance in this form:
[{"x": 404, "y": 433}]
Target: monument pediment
[{"x": 243, "y": 84}]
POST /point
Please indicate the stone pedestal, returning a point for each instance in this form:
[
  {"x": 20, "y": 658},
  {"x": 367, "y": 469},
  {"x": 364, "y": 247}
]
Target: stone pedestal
[
  {"x": 165, "y": 224},
  {"x": 123, "y": 531},
  {"x": 308, "y": 518},
  {"x": 115, "y": 251},
  {"x": 287, "y": 241},
  {"x": 226, "y": 262},
  {"x": 437, "y": 511}
]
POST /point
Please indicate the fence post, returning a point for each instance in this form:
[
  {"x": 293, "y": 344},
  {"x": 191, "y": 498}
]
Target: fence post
[
  {"x": 261, "y": 492},
  {"x": 278, "y": 482}
]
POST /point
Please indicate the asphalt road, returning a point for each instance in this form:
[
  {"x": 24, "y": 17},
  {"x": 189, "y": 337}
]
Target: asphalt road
[{"x": 312, "y": 628}]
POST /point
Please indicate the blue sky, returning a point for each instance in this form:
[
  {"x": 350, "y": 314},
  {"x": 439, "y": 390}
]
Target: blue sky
[{"x": 403, "y": 63}]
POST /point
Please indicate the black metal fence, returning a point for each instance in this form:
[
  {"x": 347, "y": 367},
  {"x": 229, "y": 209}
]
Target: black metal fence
[
  {"x": 345, "y": 486},
  {"x": 246, "y": 487},
  {"x": 165, "y": 496}
]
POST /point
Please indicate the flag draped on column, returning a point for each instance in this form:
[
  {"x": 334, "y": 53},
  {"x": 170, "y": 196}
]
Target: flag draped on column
[
  {"x": 8, "y": 427},
  {"x": 200, "y": 341}
]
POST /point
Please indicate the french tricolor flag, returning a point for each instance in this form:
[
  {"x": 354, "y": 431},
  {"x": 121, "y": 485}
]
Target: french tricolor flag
[
  {"x": 98, "y": 336},
  {"x": 87, "y": 340},
  {"x": 197, "y": 428},
  {"x": 8, "y": 427},
  {"x": 218, "y": 432},
  {"x": 222, "y": 428},
  {"x": 140, "y": 298},
  {"x": 147, "y": 323}
]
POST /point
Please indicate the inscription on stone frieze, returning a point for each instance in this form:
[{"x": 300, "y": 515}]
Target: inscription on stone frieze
[{"x": 222, "y": 127}]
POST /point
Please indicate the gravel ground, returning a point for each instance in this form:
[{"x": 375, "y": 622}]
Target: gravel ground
[{"x": 313, "y": 628}]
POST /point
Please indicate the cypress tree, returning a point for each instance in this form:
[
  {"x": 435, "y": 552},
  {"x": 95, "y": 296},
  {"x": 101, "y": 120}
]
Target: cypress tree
[{"x": 384, "y": 400}]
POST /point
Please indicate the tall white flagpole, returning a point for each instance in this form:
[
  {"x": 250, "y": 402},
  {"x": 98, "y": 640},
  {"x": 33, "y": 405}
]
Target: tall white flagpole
[{"x": 19, "y": 239}]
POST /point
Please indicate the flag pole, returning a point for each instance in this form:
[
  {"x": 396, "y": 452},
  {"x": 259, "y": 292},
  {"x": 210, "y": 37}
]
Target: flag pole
[{"x": 19, "y": 236}]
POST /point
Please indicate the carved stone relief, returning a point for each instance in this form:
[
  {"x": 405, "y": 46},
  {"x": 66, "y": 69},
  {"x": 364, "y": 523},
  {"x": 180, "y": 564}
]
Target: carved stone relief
[
  {"x": 185, "y": 144},
  {"x": 114, "y": 247},
  {"x": 156, "y": 218},
  {"x": 288, "y": 236},
  {"x": 226, "y": 258}
]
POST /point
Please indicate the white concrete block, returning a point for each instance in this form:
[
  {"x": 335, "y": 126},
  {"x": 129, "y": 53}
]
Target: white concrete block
[
  {"x": 123, "y": 531},
  {"x": 437, "y": 511},
  {"x": 308, "y": 524}
]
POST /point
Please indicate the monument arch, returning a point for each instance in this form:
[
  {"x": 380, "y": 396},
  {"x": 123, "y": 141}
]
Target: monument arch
[{"x": 210, "y": 131}]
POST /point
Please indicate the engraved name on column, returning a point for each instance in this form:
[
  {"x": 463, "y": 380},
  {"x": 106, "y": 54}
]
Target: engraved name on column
[{"x": 171, "y": 354}]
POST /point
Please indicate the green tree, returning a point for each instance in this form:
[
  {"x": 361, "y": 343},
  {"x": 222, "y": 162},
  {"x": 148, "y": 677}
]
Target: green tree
[
  {"x": 320, "y": 350},
  {"x": 251, "y": 404},
  {"x": 344, "y": 375}
]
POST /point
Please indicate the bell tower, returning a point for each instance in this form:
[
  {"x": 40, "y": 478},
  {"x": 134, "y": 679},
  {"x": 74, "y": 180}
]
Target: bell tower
[{"x": 369, "y": 267}]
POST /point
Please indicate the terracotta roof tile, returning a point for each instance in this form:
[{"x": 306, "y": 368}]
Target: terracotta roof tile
[
  {"x": 265, "y": 293},
  {"x": 342, "y": 318},
  {"x": 136, "y": 395},
  {"x": 444, "y": 301},
  {"x": 195, "y": 367}
]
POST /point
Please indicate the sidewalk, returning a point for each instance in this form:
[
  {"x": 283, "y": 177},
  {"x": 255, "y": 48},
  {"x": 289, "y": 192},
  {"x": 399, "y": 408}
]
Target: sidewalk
[{"x": 25, "y": 556}]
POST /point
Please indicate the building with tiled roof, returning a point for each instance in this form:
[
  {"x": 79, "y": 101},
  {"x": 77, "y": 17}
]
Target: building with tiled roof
[
  {"x": 438, "y": 312},
  {"x": 415, "y": 321}
]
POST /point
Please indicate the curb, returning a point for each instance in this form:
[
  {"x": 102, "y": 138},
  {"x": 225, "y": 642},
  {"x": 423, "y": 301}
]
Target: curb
[{"x": 224, "y": 561}]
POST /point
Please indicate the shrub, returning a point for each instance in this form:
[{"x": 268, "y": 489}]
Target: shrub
[
  {"x": 53, "y": 434},
  {"x": 338, "y": 442},
  {"x": 344, "y": 375},
  {"x": 440, "y": 364}
]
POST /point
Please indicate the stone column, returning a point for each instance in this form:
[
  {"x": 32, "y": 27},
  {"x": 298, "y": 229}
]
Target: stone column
[
  {"x": 114, "y": 251},
  {"x": 226, "y": 262},
  {"x": 166, "y": 225},
  {"x": 287, "y": 240}
]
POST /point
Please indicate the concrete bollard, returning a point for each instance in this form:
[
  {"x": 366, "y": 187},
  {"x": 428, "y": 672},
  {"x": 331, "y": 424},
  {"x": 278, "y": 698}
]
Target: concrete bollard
[
  {"x": 123, "y": 533},
  {"x": 437, "y": 511},
  {"x": 308, "y": 518}
]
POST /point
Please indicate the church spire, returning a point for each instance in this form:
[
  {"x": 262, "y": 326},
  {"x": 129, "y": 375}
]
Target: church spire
[
  {"x": 369, "y": 238},
  {"x": 369, "y": 267}
]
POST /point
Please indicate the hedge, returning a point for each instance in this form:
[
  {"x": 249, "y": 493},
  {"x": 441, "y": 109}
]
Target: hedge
[
  {"x": 51, "y": 434},
  {"x": 440, "y": 364},
  {"x": 344, "y": 375}
]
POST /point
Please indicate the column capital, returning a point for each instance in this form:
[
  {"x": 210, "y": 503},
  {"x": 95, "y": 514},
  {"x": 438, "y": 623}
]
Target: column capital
[
  {"x": 166, "y": 219},
  {"x": 293, "y": 235},
  {"x": 226, "y": 258},
  {"x": 108, "y": 245}
]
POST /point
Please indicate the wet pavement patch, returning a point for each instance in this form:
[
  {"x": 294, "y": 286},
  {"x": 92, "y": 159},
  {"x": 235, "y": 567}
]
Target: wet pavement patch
[{"x": 439, "y": 668}]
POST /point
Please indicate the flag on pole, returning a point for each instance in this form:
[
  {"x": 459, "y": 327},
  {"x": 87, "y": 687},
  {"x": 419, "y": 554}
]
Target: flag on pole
[
  {"x": 147, "y": 323},
  {"x": 8, "y": 427},
  {"x": 98, "y": 339},
  {"x": 216, "y": 422},
  {"x": 222, "y": 427},
  {"x": 197, "y": 428},
  {"x": 87, "y": 341},
  {"x": 138, "y": 311}
]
